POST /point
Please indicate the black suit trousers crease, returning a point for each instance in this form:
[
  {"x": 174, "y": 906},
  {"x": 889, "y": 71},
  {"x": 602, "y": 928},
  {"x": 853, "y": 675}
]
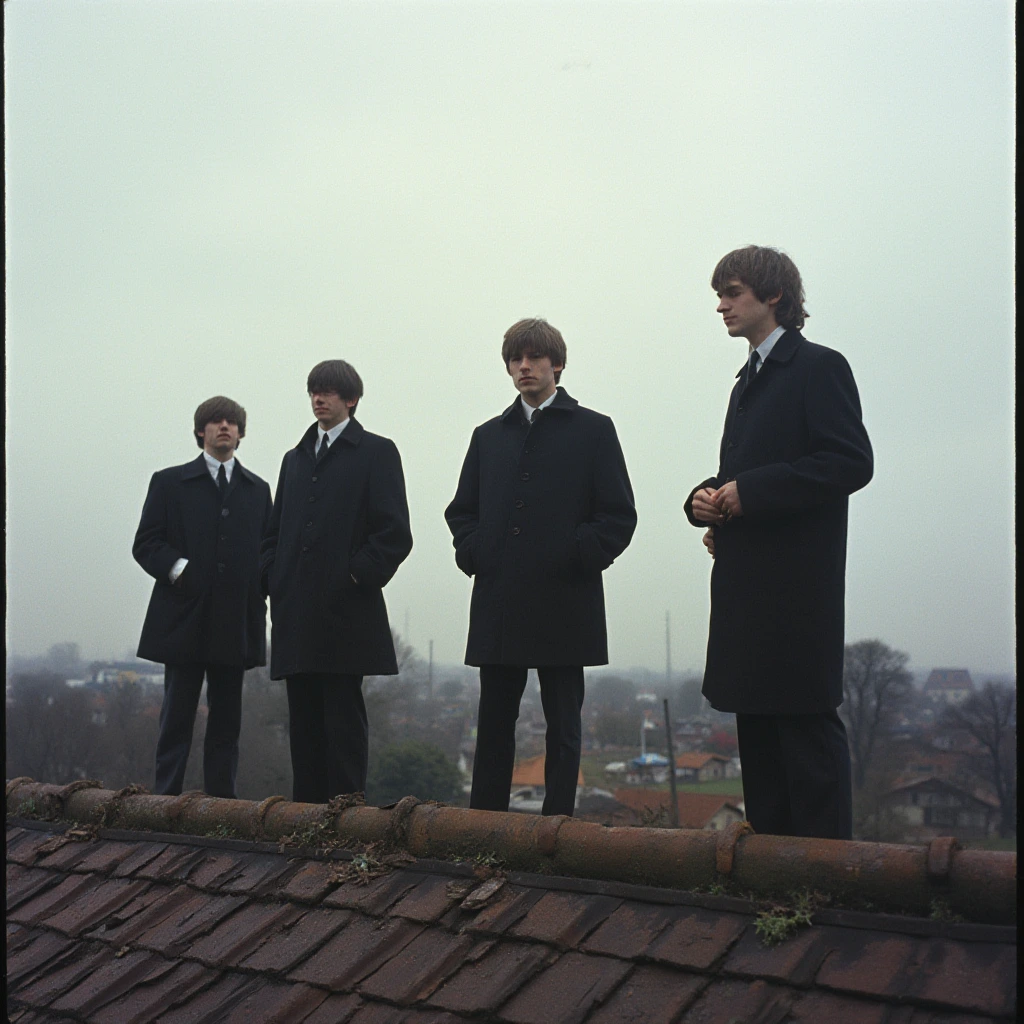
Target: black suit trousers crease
[
  {"x": 329, "y": 735},
  {"x": 501, "y": 690},
  {"x": 182, "y": 686},
  {"x": 796, "y": 774}
]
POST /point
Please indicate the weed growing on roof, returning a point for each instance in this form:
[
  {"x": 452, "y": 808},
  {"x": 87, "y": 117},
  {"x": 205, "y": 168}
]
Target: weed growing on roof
[
  {"x": 781, "y": 921},
  {"x": 222, "y": 831},
  {"x": 942, "y": 911},
  {"x": 27, "y": 809},
  {"x": 370, "y": 864}
]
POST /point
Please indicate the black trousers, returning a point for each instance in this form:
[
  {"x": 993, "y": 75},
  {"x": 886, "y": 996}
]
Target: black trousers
[
  {"x": 329, "y": 735},
  {"x": 182, "y": 686},
  {"x": 501, "y": 690},
  {"x": 796, "y": 775}
]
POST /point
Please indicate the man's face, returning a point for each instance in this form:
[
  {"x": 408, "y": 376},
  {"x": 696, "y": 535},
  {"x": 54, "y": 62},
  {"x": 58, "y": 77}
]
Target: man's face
[
  {"x": 330, "y": 408},
  {"x": 533, "y": 376},
  {"x": 744, "y": 314},
  {"x": 220, "y": 439}
]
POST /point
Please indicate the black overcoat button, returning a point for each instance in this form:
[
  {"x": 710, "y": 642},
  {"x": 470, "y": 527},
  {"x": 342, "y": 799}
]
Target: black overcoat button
[
  {"x": 516, "y": 531},
  {"x": 524, "y": 476},
  {"x": 225, "y": 511}
]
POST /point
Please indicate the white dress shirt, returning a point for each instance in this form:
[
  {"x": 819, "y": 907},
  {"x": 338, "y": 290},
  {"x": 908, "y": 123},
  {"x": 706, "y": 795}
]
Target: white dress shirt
[
  {"x": 332, "y": 434},
  {"x": 766, "y": 346},
  {"x": 528, "y": 410}
]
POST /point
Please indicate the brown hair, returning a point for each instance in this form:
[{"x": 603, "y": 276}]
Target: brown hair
[
  {"x": 767, "y": 272},
  {"x": 536, "y": 337},
  {"x": 213, "y": 410},
  {"x": 337, "y": 376}
]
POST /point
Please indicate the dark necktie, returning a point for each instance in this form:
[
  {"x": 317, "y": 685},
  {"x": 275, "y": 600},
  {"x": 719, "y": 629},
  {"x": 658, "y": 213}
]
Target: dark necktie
[
  {"x": 222, "y": 481},
  {"x": 752, "y": 367},
  {"x": 324, "y": 444}
]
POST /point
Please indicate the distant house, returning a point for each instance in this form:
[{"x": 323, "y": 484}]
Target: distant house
[
  {"x": 696, "y": 810},
  {"x": 934, "y": 807},
  {"x": 949, "y": 685},
  {"x": 703, "y": 767},
  {"x": 528, "y": 785}
]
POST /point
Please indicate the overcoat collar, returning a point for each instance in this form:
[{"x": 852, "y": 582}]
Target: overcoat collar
[
  {"x": 782, "y": 351},
  {"x": 352, "y": 435},
  {"x": 562, "y": 403},
  {"x": 197, "y": 468}
]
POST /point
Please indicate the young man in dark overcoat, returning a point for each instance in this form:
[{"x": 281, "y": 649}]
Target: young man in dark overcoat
[
  {"x": 543, "y": 507},
  {"x": 339, "y": 531},
  {"x": 199, "y": 537},
  {"x": 775, "y": 515}
]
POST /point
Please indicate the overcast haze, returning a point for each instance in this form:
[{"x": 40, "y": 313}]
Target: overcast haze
[{"x": 209, "y": 198}]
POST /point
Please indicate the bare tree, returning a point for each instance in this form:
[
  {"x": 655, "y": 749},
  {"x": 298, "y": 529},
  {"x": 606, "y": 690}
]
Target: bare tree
[
  {"x": 876, "y": 684},
  {"x": 990, "y": 717}
]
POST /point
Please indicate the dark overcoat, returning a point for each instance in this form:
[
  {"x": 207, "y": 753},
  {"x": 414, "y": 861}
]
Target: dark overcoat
[
  {"x": 215, "y": 613},
  {"x": 539, "y": 513},
  {"x": 795, "y": 444},
  {"x": 343, "y": 517}
]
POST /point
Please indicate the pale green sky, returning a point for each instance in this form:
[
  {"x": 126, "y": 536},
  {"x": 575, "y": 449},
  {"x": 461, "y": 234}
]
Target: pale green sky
[{"x": 209, "y": 198}]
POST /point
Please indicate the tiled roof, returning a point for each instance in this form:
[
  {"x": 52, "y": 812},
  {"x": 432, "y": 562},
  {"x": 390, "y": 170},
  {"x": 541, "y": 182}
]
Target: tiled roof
[
  {"x": 698, "y": 760},
  {"x": 695, "y": 809},
  {"x": 120, "y": 926},
  {"x": 531, "y": 773},
  {"x": 949, "y": 679}
]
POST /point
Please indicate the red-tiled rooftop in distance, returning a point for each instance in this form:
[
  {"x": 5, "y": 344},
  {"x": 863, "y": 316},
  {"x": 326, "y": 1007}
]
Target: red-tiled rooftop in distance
[
  {"x": 695, "y": 809},
  {"x": 693, "y": 759},
  {"x": 948, "y": 679},
  {"x": 117, "y": 925},
  {"x": 531, "y": 773}
]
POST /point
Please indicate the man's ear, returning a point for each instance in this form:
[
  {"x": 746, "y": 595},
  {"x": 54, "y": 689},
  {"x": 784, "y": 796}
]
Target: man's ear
[
  {"x": 774, "y": 300},
  {"x": 349, "y": 402}
]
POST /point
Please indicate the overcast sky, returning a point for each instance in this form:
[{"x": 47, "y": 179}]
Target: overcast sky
[{"x": 209, "y": 198}]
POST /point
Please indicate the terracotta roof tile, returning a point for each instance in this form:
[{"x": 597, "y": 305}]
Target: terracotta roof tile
[
  {"x": 511, "y": 906},
  {"x": 142, "y": 913},
  {"x": 162, "y": 990},
  {"x": 101, "y": 858},
  {"x": 652, "y": 995},
  {"x": 413, "y": 973},
  {"x": 238, "y": 935},
  {"x": 257, "y": 874},
  {"x": 44, "y": 985},
  {"x": 795, "y": 961},
  {"x": 40, "y": 949},
  {"x": 274, "y": 1003},
  {"x": 335, "y": 1009},
  {"x": 112, "y": 979},
  {"x": 64, "y": 857},
  {"x": 976, "y": 977},
  {"x": 213, "y": 867},
  {"x": 53, "y": 900},
  {"x": 428, "y": 902},
  {"x": 187, "y": 922},
  {"x": 23, "y": 845},
  {"x": 567, "y": 991},
  {"x": 630, "y": 930},
  {"x": 867, "y": 963},
  {"x": 310, "y": 883},
  {"x": 819, "y": 1007},
  {"x": 698, "y": 939},
  {"x": 173, "y": 864},
  {"x": 742, "y": 1001},
  {"x": 295, "y": 941},
  {"x": 358, "y": 950},
  {"x": 144, "y": 853},
  {"x": 24, "y": 883},
  {"x": 375, "y": 897},
  {"x": 94, "y": 905},
  {"x": 211, "y": 1004},
  {"x": 564, "y": 919},
  {"x": 483, "y": 986}
]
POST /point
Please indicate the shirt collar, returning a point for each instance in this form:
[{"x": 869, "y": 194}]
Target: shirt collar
[
  {"x": 764, "y": 349},
  {"x": 213, "y": 465},
  {"x": 528, "y": 410},
  {"x": 332, "y": 434}
]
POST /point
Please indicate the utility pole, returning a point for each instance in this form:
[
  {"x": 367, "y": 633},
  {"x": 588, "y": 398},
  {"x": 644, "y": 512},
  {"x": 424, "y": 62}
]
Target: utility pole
[
  {"x": 668, "y": 652},
  {"x": 430, "y": 672},
  {"x": 674, "y": 808}
]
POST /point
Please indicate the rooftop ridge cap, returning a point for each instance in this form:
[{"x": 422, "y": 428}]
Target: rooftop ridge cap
[{"x": 977, "y": 884}]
